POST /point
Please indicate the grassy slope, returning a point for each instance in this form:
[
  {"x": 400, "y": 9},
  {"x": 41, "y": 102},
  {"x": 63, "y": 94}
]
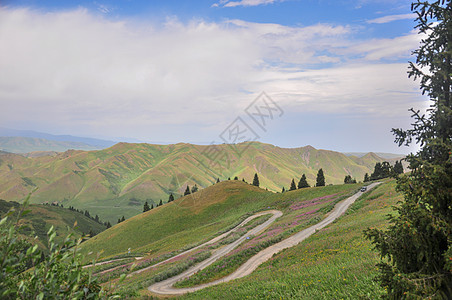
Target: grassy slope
[
  {"x": 335, "y": 263},
  {"x": 198, "y": 217},
  {"x": 104, "y": 182},
  {"x": 42, "y": 217}
]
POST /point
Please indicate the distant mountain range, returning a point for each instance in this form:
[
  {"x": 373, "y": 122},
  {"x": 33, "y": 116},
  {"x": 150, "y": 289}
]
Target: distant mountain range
[
  {"x": 24, "y": 141},
  {"x": 116, "y": 181}
]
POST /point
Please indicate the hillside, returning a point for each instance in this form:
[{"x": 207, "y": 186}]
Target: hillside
[
  {"x": 42, "y": 217},
  {"x": 116, "y": 181},
  {"x": 323, "y": 266}
]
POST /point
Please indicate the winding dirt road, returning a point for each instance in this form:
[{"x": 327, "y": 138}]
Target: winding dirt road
[{"x": 166, "y": 287}]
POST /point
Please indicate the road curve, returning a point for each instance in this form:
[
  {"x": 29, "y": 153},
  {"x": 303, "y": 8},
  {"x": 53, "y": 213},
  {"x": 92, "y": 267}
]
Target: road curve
[
  {"x": 166, "y": 287},
  {"x": 256, "y": 230}
]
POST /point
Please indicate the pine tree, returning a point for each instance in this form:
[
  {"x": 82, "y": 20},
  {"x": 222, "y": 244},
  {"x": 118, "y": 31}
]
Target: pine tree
[
  {"x": 171, "y": 198},
  {"x": 256, "y": 180},
  {"x": 119, "y": 220},
  {"x": 303, "y": 183},
  {"x": 283, "y": 190},
  {"x": 293, "y": 187},
  {"x": 123, "y": 219},
  {"x": 320, "y": 178},
  {"x": 218, "y": 180},
  {"x": 108, "y": 224},
  {"x": 161, "y": 202},
  {"x": 236, "y": 178},
  {"x": 152, "y": 206},
  {"x": 416, "y": 248},
  {"x": 398, "y": 167},
  {"x": 146, "y": 207},
  {"x": 348, "y": 179},
  {"x": 194, "y": 189},
  {"x": 187, "y": 191},
  {"x": 366, "y": 177}
]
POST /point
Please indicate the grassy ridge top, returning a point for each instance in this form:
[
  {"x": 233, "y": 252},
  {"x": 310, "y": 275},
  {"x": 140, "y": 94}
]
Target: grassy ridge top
[
  {"x": 118, "y": 180},
  {"x": 198, "y": 217}
]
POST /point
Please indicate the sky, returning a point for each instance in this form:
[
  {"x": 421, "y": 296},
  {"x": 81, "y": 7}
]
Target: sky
[{"x": 326, "y": 73}]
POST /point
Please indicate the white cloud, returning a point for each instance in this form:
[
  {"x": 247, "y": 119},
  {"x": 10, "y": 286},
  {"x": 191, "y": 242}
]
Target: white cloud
[
  {"x": 391, "y": 18},
  {"x": 80, "y": 73},
  {"x": 227, "y": 3}
]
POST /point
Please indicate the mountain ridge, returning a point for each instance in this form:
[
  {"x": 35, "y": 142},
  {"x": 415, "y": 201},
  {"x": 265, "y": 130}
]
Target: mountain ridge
[{"x": 108, "y": 182}]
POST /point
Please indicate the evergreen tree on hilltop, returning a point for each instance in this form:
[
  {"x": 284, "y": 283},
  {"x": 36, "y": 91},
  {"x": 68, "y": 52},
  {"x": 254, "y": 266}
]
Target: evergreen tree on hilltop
[
  {"x": 194, "y": 189},
  {"x": 366, "y": 177},
  {"x": 303, "y": 183},
  {"x": 218, "y": 180},
  {"x": 161, "y": 202},
  {"x": 283, "y": 190},
  {"x": 152, "y": 206},
  {"x": 416, "y": 248},
  {"x": 171, "y": 198},
  {"x": 293, "y": 187},
  {"x": 187, "y": 191},
  {"x": 123, "y": 219},
  {"x": 146, "y": 207},
  {"x": 108, "y": 224},
  {"x": 320, "y": 178},
  {"x": 256, "y": 180},
  {"x": 236, "y": 178}
]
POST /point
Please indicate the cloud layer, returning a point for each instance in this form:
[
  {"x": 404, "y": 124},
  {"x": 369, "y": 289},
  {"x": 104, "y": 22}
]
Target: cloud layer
[{"x": 74, "y": 69}]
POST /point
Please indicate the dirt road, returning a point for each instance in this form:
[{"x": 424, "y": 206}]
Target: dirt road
[
  {"x": 256, "y": 230},
  {"x": 166, "y": 287}
]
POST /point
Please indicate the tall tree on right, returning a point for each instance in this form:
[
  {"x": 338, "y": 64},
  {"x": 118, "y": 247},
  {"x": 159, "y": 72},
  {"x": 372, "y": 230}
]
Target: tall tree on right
[
  {"x": 320, "y": 178},
  {"x": 416, "y": 249},
  {"x": 303, "y": 183},
  {"x": 256, "y": 180}
]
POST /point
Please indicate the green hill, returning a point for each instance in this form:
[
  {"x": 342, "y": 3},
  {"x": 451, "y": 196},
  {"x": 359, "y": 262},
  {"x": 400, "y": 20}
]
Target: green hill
[
  {"x": 118, "y": 180},
  {"x": 336, "y": 262},
  {"x": 41, "y": 217}
]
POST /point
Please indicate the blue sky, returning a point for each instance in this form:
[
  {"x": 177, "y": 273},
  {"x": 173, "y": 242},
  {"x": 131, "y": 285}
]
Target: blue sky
[{"x": 183, "y": 71}]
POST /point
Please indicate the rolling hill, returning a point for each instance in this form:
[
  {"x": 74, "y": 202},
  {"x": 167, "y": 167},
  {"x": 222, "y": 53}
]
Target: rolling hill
[
  {"x": 41, "y": 217},
  {"x": 336, "y": 262},
  {"x": 116, "y": 181}
]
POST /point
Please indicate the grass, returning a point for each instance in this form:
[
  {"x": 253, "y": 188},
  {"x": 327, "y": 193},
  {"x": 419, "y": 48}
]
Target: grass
[
  {"x": 41, "y": 217},
  {"x": 197, "y": 218},
  {"x": 335, "y": 263},
  {"x": 105, "y": 181}
]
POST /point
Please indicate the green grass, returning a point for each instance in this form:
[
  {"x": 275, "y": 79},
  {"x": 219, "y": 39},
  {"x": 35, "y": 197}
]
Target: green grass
[
  {"x": 104, "y": 181},
  {"x": 335, "y": 263},
  {"x": 197, "y": 218},
  {"x": 41, "y": 217}
]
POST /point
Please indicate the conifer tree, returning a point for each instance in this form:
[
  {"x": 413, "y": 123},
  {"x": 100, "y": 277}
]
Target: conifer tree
[
  {"x": 171, "y": 198},
  {"x": 303, "y": 183},
  {"x": 108, "y": 224},
  {"x": 187, "y": 191},
  {"x": 161, "y": 202},
  {"x": 416, "y": 248},
  {"x": 236, "y": 178},
  {"x": 283, "y": 190},
  {"x": 366, "y": 177},
  {"x": 152, "y": 206},
  {"x": 194, "y": 189},
  {"x": 218, "y": 180},
  {"x": 146, "y": 207},
  {"x": 256, "y": 180},
  {"x": 293, "y": 187},
  {"x": 320, "y": 178},
  {"x": 123, "y": 219}
]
